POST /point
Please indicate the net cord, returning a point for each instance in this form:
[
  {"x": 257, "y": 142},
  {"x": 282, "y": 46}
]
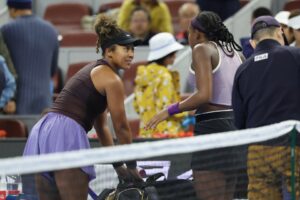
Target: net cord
[{"x": 73, "y": 159}]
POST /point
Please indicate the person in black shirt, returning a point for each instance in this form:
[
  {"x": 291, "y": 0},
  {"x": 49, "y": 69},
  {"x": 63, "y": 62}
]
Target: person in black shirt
[{"x": 267, "y": 90}]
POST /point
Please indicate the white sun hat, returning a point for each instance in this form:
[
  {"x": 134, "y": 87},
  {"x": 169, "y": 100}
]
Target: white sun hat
[
  {"x": 283, "y": 17},
  {"x": 294, "y": 22},
  {"x": 161, "y": 45}
]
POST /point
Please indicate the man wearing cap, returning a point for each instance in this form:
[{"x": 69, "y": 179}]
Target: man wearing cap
[
  {"x": 33, "y": 45},
  {"x": 266, "y": 91},
  {"x": 245, "y": 41}
]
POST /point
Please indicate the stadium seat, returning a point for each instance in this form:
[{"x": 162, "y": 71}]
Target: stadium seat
[
  {"x": 108, "y": 6},
  {"x": 66, "y": 14},
  {"x": 74, "y": 68},
  {"x": 129, "y": 76},
  {"x": 13, "y": 128},
  {"x": 243, "y": 2},
  {"x": 291, "y": 5},
  {"x": 79, "y": 39}
]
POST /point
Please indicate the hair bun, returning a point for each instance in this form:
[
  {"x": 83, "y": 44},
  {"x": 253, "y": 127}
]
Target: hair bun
[{"x": 106, "y": 28}]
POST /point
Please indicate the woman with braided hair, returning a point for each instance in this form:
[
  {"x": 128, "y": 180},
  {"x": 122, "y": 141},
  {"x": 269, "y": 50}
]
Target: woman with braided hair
[
  {"x": 214, "y": 62},
  {"x": 82, "y": 104}
]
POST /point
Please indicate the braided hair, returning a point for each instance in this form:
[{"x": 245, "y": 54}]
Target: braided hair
[{"x": 216, "y": 31}]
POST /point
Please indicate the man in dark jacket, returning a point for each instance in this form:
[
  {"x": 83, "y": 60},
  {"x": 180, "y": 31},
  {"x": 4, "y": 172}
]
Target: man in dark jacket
[{"x": 266, "y": 91}]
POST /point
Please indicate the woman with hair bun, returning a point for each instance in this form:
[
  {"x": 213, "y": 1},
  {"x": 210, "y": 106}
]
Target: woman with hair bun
[
  {"x": 82, "y": 104},
  {"x": 214, "y": 62}
]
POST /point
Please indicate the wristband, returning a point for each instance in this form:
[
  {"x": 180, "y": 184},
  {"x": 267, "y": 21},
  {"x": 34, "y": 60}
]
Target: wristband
[
  {"x": 173, "y": 109},
  {"x": 131, "y": 164},
  {"x": 117, "y": 164}
]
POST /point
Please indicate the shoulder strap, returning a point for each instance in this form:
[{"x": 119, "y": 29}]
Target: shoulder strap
[
  {"x": 153, "y": 178},
  {"x": 104, "y": 194}
]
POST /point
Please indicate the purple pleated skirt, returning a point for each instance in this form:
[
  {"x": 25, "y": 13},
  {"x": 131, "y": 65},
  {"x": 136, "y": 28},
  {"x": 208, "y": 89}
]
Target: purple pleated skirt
[{"x": 58, "y": 133}]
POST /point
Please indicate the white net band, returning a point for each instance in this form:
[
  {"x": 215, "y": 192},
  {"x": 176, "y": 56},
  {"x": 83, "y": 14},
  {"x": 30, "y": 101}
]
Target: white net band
[{"x": 58, "y": 161}]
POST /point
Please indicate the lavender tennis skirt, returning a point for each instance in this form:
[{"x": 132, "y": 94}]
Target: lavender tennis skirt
[{"x": 57, "y": 133}]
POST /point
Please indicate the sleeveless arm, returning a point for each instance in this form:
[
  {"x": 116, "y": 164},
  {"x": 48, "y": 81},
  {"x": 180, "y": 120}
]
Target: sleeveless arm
[
  {"x": 109, "y": 84},
  {"x": 102, "y": 129},
  {"x": 203, "y": 71},
  {"x": 201, "y": 60},
  {"x": 115, "y": 101}
]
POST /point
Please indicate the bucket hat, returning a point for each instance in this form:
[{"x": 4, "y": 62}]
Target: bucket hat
[{"x": 161, "y": 45}]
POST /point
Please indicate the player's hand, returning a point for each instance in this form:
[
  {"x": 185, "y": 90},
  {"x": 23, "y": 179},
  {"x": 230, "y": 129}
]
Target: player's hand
[
  {"x": 159, "y": 117},
  {"x": 134, "y": 173},
  {"x": 10, "y": 107},
  {"x": 122, "y": 172},
  {"x": 128, "y": 175}
]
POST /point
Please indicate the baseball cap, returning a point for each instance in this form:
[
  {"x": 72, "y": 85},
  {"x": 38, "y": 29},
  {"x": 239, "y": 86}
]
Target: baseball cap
[
  {"x": 123, "y": 38},
  {"x": 19, "y": 4},
  {"x": 263, "y": 22}
]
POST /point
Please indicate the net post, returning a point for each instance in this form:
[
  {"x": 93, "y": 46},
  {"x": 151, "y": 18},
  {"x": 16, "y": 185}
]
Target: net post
[{"x": 293, "y": 162}]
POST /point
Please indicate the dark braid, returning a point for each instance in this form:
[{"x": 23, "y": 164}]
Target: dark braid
[{"x": 216, "y": 31}]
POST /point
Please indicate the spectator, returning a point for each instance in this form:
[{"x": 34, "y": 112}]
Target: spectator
[
  {"x": 82, "y": 104},
  {"x": 157, "y": 86},
  {"x": 139, "y": 25},
  {"x": 159, "y": 12},
  {"x": 7, "y": 105},
  {"x": 33, "y": 46},
  {"x": 2, "y": 82},
  {"x": 283, "y": 18},
  {"x": 6, "y": 55},
  {"x": 215, "y": 61},
  {"x": 186, "y": 13},
  {"x": 245, "y": 42},
  {"x": 224, "y": 8},
  {"x": 266, "y": 91},
  {"x": 294, "y": 23}
]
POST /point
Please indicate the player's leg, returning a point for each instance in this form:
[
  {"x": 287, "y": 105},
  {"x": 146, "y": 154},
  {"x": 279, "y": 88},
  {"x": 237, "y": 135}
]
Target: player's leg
[
  {"x": 46, "y": 189},
  {"x": 209, "y": 185},
  {"x": 72, "y": 184}
]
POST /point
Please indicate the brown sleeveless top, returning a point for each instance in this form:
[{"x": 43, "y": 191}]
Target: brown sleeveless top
[{"x": 79, "y": 99}]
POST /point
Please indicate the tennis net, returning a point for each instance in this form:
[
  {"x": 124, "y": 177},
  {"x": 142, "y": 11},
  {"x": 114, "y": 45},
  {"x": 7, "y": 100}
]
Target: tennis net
[{"x": 247, "y": 164}]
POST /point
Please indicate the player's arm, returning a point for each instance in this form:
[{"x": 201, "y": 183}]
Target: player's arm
[
  {"x": 201, "y": 59},
  {"x": 109, "y": 84},
  {"x": 102, "y": 129}
]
